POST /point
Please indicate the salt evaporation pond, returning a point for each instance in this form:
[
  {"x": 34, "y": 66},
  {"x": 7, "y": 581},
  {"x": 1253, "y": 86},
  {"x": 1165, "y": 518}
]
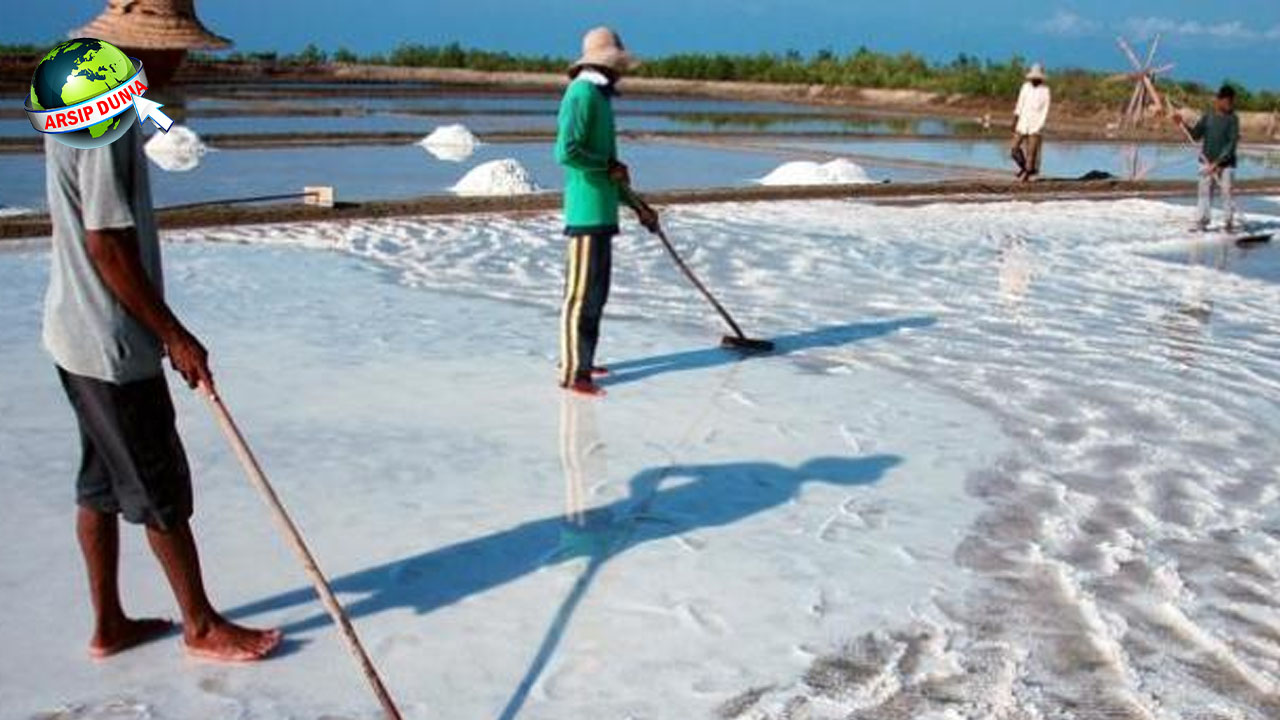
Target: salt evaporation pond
[
  {"x": 373, "y": 172},
  {"x": 1061, "y": 159},
  {"x": 491, "y": 113},
  {"x": 1060, "y": 497}
]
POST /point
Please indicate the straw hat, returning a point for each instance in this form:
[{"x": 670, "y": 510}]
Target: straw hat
[
  {"x": 604, "y": 47},
  {"x": 152, "y": 25},
  {"x": 1037, "y": 73}
]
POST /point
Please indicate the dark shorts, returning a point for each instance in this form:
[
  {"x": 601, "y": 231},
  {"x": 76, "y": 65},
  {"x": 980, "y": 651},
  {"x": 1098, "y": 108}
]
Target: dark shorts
[{"x": 133, "y": 463}]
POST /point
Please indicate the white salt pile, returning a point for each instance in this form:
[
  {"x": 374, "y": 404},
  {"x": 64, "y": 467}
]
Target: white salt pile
[
  {"x": 497, "y": 177},
  {"x": 6, "y": 211},
  {"x": 453, "y": 143},
  {"x": 805, "y": 172},
  {"x": 178, "y": 150}
]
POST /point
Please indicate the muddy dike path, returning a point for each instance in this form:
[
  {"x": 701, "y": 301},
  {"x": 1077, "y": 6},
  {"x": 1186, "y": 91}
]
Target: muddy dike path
[{"x": 36, "y": 226}]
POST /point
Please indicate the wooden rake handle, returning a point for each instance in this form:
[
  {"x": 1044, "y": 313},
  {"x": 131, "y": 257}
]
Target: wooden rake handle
[
  {"x": 636, "y": 201},
  {"x": 294, "y": 537}
]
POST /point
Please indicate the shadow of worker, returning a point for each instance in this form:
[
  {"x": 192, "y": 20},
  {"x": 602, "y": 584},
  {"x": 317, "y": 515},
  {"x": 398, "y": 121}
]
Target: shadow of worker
[
  {"x": 711, "y": 495},
  {"x": 831, "y": 336}
]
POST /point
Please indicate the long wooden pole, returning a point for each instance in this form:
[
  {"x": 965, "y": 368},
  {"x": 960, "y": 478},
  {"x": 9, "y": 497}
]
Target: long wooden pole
[
  {"x": 1191, "y": 139},
  {"x": 291, "y": 533},
  {"x": 639, "y": 202}
]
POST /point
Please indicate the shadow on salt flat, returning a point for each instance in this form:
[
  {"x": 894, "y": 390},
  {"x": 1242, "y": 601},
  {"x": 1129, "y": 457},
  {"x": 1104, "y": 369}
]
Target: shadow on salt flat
[
  {"x": 711, "y": 495},
  {"x": 715, "y": 495},
  {"x": 824, "y": 337}
]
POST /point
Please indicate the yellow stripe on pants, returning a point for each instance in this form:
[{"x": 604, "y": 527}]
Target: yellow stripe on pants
[
  {"x": 579, "y": 267},
  {"x": 570, "y": 288}
]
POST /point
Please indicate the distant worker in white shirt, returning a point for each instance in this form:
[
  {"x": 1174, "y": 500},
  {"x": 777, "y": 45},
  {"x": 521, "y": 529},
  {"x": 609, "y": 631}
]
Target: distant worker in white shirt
[{"x": 1029, "y": 118}]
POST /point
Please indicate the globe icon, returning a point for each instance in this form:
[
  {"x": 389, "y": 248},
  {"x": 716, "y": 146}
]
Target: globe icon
[{"x": 78, "y": 70}]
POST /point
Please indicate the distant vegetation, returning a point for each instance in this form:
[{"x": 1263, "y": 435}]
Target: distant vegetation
[
  {"x": 24, "y": 49},
  {"x": 863, "y": 67},
  {"x": 966, "y": 74}
]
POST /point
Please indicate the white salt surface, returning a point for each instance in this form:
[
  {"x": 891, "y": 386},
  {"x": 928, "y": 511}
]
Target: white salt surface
[
  {"x": 178, "y": 150},
  {"x": 452, "y": 143},
  {"x": 497, "y": 177},
  {"x": 505, "y": 549},
  {"x": 806, "y": 172},
  {"x": 1059, "y": 496}
]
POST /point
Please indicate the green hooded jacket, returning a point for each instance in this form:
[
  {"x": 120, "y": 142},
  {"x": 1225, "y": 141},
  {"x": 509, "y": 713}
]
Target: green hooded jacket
[{"x": 586, "y": 145}]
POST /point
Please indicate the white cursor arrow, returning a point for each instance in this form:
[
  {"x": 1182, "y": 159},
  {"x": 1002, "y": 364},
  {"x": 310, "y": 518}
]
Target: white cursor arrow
[{"x": 148, "y": 110}]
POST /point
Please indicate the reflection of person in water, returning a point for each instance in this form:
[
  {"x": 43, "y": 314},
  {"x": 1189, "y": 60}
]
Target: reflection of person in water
[
  {"x": 583, "y": 462},
  {"x": 706, "y": 496},
  {"x": 1016, "y": 270},
  {"x": 1185, "y": 324}
]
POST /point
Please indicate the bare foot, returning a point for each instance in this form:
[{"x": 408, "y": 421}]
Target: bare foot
[
  {"x": 224, "y": 641},
  {"x": 125, "y": 634}
]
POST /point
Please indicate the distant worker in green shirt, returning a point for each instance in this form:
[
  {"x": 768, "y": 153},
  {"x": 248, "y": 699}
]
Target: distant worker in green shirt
[
  {"x": 587, "y": 147},
  {"x": 1219, "y": 131}
]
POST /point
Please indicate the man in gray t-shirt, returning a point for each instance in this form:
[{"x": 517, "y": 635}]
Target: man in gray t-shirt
[
  {"x": 107, "y": 326},
  {"x": 1219, "y": 132},
  {"x": 86, "y": 329}
]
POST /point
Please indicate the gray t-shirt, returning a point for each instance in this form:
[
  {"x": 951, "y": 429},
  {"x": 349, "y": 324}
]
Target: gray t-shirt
[{"x": 86, "y": 329}]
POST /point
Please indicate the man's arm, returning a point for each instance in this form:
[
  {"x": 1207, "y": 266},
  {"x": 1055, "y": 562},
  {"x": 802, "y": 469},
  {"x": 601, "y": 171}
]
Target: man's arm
[
  {"x": 1019, "y": 107},
  {"x": 115, "y": 256},
  {"x": 1233, "y": 142},
  {"x": 571, "y": 146},
  {"x": 1198, "y": 130},
  {"x": 645, "y": 214}
]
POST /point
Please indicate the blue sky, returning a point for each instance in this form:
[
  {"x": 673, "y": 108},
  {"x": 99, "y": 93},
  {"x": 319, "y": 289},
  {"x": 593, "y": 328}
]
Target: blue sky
[{"x": 1209, "y": 41}]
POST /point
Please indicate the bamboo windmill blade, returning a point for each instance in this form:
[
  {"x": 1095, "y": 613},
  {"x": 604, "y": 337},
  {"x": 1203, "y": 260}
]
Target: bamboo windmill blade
[
  {"x": 1133, "y": 57},
  {"x": 1151, "y": 52},
  {"x": 1163, "y": 69}
]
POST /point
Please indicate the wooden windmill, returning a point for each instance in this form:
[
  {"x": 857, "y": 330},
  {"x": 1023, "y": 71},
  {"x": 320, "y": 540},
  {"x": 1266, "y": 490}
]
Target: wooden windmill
[{"x": 1146, "y": 98}]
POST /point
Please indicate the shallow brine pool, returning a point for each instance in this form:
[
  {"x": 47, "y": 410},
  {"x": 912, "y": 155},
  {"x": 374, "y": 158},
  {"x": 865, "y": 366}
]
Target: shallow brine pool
[{"x": 1007, "y": 463}]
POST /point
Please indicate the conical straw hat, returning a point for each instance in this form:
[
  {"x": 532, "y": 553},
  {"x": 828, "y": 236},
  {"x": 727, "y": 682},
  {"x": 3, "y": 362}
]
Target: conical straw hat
[
  {"x": 602, "y": 46},
  {"x": 152, "y": 25}
]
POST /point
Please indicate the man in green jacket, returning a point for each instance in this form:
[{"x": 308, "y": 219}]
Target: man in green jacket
[
  {"x": 1219, "y": 129},
  {"x": 587, "y": 148}
]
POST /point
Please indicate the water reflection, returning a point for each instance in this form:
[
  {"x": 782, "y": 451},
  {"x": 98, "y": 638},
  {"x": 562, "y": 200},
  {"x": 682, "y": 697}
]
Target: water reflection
[
  {"x": 1016, "y": 270},
  {"x": 1185, "y": 324},
  {"x": 582, "y": 456}
]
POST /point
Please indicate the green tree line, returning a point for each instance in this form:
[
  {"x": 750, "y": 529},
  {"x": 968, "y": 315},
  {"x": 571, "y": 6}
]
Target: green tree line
[{"x": 863, "y": 67}]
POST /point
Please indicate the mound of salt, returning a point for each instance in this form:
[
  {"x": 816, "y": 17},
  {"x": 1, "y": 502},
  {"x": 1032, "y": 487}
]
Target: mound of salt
[
  {"x": 805, "y": 172},
  {"x": 846, "y": 172},
  {"x": 178, "y": 150},
  {"x": 7, "y": 211},
  {"x": 453, "y": 143},
  {"x": 497, "y": 177}
]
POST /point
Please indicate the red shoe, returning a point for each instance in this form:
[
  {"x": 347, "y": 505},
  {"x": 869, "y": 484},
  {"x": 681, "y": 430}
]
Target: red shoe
[{"x": 585, "y": 387}]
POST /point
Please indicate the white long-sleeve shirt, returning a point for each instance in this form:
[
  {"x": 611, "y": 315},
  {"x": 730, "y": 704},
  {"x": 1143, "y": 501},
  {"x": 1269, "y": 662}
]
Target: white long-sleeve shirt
[{"x": 1032, "y": 109}]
